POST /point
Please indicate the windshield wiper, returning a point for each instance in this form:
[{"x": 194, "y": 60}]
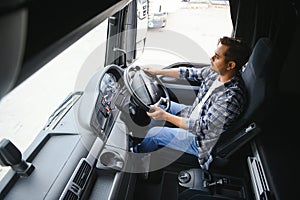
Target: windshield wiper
[{"x": 62, "y": 110}]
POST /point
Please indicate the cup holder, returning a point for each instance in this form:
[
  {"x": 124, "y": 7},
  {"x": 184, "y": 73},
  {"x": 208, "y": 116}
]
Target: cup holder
[{"x": 112, "y": 160}]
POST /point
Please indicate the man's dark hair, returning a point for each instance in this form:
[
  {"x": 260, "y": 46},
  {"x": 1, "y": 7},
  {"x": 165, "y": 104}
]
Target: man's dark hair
[{"x": 238, "y": 51}]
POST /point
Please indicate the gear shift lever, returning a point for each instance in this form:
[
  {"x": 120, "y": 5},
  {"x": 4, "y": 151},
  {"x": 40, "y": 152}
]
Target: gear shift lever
[{"x": 220, "y": 181}]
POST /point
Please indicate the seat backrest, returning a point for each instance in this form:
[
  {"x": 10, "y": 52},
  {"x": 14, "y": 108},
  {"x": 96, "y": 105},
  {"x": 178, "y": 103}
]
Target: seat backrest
[{"x": 256, "y": 75}]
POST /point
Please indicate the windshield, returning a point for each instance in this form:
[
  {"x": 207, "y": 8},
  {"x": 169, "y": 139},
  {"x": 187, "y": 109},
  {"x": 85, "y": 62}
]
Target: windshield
[{"x": 26, "y": 109}]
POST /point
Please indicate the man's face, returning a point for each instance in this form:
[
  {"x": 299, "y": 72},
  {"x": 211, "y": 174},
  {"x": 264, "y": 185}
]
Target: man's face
[{"x": 218, "y": 63}]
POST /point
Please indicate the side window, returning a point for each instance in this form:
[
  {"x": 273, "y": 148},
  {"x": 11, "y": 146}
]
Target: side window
[
  {"x": 142, "y": 27},
  {"x": 127, "y": 34}
]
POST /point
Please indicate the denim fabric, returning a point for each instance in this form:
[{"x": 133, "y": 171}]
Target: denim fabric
[{"x": 174, "y": 138}]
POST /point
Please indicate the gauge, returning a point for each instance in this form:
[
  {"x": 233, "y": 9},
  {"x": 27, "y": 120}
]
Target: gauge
[{"x": 109, "y": 86}]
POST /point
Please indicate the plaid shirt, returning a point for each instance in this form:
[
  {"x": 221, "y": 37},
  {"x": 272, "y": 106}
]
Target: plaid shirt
[{"x": 219, "y": 111}]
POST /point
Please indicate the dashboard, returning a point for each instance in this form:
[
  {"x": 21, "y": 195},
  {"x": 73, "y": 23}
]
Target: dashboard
[{"x": 83, "y": 153}]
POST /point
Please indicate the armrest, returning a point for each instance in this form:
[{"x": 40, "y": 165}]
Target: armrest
[{"x": 229, "y": 141}]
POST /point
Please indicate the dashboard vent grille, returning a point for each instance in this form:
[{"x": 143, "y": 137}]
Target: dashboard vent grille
[
  {"x": 70, "y": 196},
  {"x": 82, "y": 174},
  {"x": 78, "y": 181}
]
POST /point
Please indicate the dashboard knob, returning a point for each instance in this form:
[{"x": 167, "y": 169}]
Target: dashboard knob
[
  {"x": 184, "y": 177},
  {"x": 132, "y": 110}
]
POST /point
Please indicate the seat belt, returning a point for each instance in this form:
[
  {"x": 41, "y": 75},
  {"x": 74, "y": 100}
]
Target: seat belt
[{"x": 216, "y": 84}]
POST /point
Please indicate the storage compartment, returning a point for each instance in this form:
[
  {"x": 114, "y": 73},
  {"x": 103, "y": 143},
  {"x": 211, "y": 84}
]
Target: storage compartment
[
  {"x": 111, "y": 184},
  {"x": 103, "y": 185}
]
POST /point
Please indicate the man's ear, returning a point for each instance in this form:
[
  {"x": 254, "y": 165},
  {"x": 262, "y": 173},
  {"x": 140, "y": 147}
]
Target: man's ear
[{"x": 231, "y": 65}]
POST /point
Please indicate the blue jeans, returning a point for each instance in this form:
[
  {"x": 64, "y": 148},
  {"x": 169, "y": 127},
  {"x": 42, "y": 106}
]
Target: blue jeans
[{"x": 174, "y": 138}]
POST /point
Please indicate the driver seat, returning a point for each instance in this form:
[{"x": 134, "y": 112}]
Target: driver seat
[{"x": 256, "y": 75}]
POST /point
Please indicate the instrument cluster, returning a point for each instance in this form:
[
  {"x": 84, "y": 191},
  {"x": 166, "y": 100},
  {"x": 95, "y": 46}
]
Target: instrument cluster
[{"x": 105, "y": 110}]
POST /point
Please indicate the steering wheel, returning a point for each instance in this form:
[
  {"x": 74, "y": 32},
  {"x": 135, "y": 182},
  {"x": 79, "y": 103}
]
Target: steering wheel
[{"x": 146, "y": 89}]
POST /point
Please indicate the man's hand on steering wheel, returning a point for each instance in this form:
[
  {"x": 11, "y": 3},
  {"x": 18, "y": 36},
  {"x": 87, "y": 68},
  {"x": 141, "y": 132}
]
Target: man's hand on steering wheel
[
  {"x": 146, "y": 88},
  {"x": 150, "y": 71},
  {"x": 157, "y": 113}
]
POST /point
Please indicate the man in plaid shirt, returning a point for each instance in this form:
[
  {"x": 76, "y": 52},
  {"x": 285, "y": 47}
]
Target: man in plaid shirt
[{"x": 198, "y": 127}]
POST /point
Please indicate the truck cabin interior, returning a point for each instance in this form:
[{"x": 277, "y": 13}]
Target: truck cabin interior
[{"x": 33, "y": 32}]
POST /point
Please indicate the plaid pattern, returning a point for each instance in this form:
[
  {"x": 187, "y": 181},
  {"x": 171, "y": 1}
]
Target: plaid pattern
[{"x": 218, "y": 112}]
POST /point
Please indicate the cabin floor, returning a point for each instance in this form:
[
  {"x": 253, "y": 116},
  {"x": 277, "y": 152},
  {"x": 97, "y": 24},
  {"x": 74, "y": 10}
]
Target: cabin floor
[{"x": 163, "y": 184}]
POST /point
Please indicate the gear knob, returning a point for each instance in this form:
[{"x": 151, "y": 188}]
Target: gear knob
[{"x": 184, "y": 177}]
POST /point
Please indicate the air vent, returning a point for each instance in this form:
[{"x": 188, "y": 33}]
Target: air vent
[
  {"x": 70, "y": 196},
  {"x": 82, "y": 174},
  {"x": 76, "y": 184}
]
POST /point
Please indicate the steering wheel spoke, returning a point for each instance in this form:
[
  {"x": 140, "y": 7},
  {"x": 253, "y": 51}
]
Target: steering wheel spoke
[{"x": 146, "y": 89}]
